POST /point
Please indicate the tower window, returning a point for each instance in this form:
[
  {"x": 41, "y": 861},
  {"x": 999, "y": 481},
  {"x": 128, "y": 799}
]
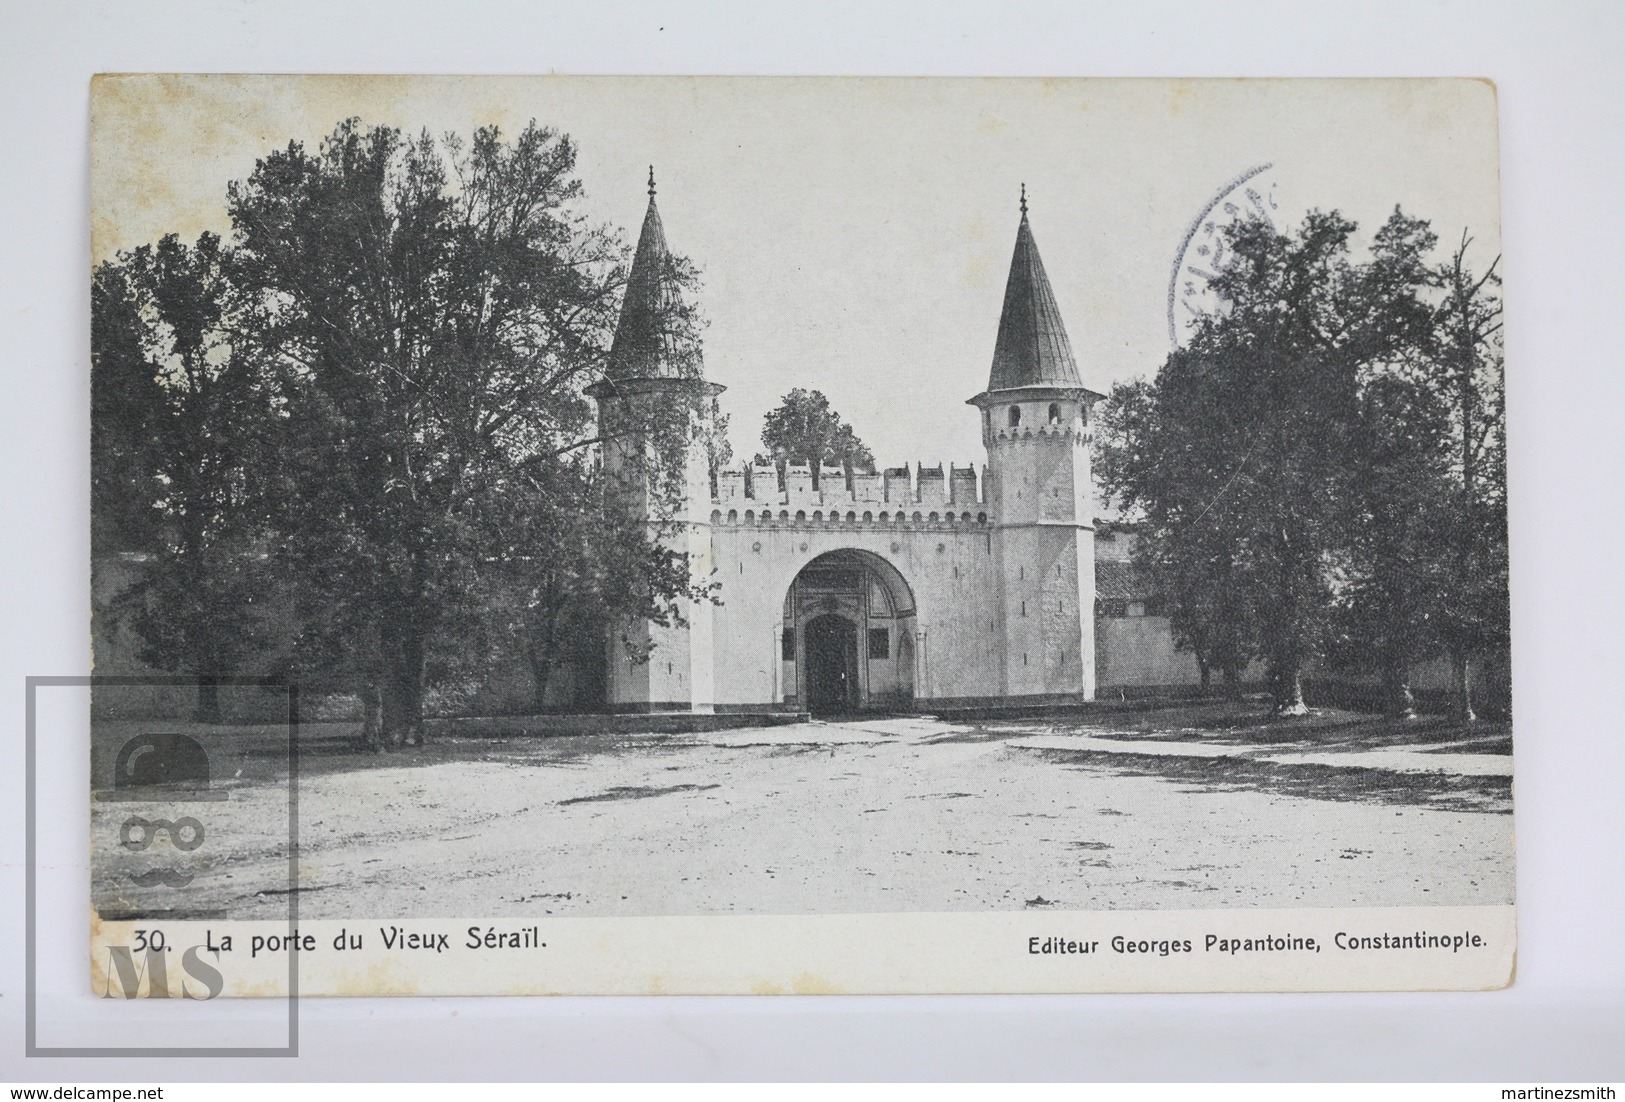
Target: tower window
[
  {"x": 1055, "y": 413},
  {"x": 1015, "y": 416},
  {"x": 879, "y": 643},
  {"x": 787, "y": 645}
]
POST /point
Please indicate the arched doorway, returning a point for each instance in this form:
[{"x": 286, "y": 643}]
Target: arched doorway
[
  {"x": 849, "y": 636},
  {"x": 832, "y": 664}
]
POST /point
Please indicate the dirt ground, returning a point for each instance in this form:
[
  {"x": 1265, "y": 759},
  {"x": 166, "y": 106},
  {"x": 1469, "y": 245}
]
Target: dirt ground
[{"x": 1205, "y": 806}]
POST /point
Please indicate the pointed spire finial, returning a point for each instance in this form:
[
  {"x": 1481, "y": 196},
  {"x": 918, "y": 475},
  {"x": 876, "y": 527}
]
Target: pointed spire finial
[
  {"x": 651, "y": 181},
  {"x": 1032, "y": 349}
]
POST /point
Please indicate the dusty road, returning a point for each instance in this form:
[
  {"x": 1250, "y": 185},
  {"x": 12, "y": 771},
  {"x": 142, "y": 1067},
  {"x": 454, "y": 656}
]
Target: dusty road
[{"x": 883, "y": 814}]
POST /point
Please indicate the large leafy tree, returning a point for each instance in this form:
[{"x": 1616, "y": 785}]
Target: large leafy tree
[
  {"x": 1169, "y": 476},
  {"x": 431, "y": 311},
  {"x": 1396, "y": 548},
  {"x": 178, "y": 442},
  {"x": 1395, "y": 539},
  {"x": 566, "y": 565},
  {"x": 804, "y": 429},
  {"x": 1240, "y": 453},
  {"x": 126, "y": 397}
]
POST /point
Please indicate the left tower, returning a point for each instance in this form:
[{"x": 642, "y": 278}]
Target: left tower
[{"x": 654, "y": 414}]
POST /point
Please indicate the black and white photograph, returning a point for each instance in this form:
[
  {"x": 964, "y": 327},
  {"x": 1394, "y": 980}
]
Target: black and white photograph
[{"x": 1067, "y": 518}]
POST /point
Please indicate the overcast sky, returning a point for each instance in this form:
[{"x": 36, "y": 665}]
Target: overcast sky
[{"x": 854, "y": 235}]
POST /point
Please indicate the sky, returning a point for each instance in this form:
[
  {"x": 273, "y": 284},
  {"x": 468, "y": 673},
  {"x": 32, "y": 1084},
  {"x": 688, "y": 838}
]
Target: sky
[{"x": 854, "y": 234}]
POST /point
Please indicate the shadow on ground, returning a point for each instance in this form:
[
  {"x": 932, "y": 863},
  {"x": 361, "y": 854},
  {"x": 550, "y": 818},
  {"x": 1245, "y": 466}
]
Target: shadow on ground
[
  {"x": 1337, "y": 783},
  {"x": 1249, "y": 722}
]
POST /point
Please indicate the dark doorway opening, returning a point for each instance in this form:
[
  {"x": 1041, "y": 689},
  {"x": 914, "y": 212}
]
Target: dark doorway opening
[{"x": 832, "y": 665}]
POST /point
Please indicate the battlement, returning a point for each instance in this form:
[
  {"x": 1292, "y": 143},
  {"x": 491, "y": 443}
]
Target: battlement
[{"x": 898, "y": 495}]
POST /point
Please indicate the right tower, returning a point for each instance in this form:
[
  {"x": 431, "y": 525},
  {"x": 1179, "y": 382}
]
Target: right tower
[{"x": 1036, "y": 428}]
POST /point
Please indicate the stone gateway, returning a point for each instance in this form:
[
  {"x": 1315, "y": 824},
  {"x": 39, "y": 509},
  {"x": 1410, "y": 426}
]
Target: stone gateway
[{"x": 843, "y": 591}]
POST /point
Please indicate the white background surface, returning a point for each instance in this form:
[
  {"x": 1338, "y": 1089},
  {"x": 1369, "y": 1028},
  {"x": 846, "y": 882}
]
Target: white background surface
[{"x": 1562, "y": 87}]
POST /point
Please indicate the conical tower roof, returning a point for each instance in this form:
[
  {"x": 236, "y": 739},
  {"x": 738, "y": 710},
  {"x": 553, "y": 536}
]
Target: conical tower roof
[
  {"x": 1032, "y": 348},
  {"x": 651, "y": 341}
]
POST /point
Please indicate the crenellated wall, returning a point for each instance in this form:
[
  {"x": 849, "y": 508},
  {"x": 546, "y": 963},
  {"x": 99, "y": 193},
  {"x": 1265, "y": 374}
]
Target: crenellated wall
[{"x": 947, "y": 496}]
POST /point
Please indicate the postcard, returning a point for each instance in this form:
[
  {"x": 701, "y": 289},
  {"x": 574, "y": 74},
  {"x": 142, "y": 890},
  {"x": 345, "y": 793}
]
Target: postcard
[{"x": 611, "y": 535}]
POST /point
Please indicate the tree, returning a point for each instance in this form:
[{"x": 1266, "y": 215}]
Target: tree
[
  {"x": 1148, "y": 463},
  {"x": 179, "y": 420},
  {"x": 431, "y": 312},
  {"x": 565, "y": 566},
  {"x": 1240, "y": 452},
  {"x": 125, "y": 399},
  {"x": 1397, "y": 545},
  {"x": 1390, "y": 591},
  {"x": 803, "y": 429},
  {"x": 719, "y": 450},
  {"x": 1466, "y": 374}
]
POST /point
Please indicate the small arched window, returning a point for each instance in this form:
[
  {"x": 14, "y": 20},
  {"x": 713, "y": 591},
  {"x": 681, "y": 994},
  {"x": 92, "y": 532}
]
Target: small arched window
[
  {"x": 1055, "y": 413},
  {"x": 1015, "y": 416}
]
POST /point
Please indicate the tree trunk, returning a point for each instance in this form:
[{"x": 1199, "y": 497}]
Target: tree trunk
[
  {"x": 208, "y": 701},
  {"x": 1207, "y": 673},
  {"x": 403, "y": 687},
  {"x": 539, "y": 655},
  {"x": 1398, "y": 700},
  {"x": 372, "y": 732},
  {"x": 1462, "y": 667},
  {"x": 402, "y": 709},
  {"x": 1288, "y": 684},
  {"x": 390, "y": 711},
  {"x": 1232, "y": 681},
  {"x": 541, "y": 673}
]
